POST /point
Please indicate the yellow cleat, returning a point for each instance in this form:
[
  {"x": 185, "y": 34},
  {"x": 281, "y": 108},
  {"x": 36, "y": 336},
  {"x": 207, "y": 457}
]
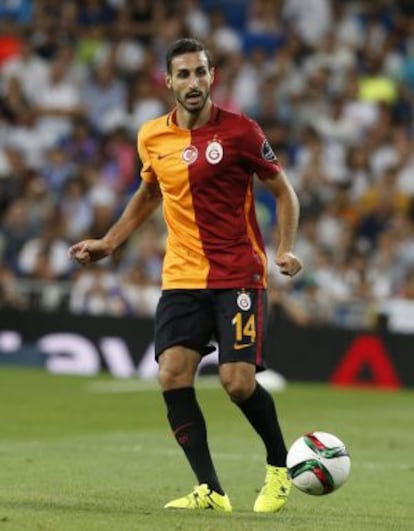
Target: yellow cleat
[
  {"x": 202, "y": 497},
  {"x": 275, "y": 491}
]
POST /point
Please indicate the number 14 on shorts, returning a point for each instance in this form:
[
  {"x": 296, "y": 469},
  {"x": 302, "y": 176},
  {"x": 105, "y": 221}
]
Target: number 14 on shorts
[{"x": 244, "y": 331}]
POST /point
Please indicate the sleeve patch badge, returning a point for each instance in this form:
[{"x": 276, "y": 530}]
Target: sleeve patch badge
[{"x": 267, "y": 151}]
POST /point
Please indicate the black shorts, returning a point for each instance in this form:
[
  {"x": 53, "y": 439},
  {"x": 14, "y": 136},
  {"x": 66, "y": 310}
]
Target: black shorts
[{"x": 235, "y": 318}]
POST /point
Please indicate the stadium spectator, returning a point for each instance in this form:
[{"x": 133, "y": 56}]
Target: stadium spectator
[
  {"x": 57, "y": 104},
  {"x": 311, "y": 19},
  {"x": 225, "y": 39},
  {"x": 10, "y": 296},
  {"x": 45, "y": 256},
  {"x": 146, "y": 17},
  {"x": 16, "y": 230},
  {"x": 28, "y": 68},
  {"x": 81, "y": 145},
  {"x": 57, "y": 169},
  {"x": 97, "y": 292},
  {"x": 75, "y": 209},
  {"x": 140, "y": 290},
  {"x": 104, "y": 98},
  {"x": 39, "y": 203},
  {"x": 196, "y": 20},
  {"x": 145, "y": 103},
  {"x": 399, "y": 309}
]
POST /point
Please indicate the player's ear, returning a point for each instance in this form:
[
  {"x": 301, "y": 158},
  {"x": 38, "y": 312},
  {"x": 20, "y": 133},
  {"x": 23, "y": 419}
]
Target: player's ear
[
  {"x": 168, "y": 81},
  {"x": 212, "y": 73}
]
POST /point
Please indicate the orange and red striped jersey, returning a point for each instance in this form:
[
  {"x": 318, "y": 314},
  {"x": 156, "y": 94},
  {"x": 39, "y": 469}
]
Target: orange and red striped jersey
[{"x": 206, "y": 179}]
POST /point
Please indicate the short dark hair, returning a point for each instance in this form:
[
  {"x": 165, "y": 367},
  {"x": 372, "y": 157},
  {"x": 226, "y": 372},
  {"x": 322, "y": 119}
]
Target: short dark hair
[{"x": 183, "y": 46}]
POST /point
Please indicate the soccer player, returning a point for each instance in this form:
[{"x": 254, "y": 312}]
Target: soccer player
[{"x": 200, "y": 161}]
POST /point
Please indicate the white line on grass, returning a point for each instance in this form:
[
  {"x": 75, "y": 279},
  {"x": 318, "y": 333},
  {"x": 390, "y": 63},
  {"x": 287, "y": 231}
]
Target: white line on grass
[
  {"x": 137, "y": 385},
  {"x": 226, "y": 456},
  {"x": 117, "y": 446}
]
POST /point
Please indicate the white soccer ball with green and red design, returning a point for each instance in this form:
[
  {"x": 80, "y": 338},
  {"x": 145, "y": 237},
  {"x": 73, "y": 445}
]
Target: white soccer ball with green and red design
[{"x": 318, "y": 463}]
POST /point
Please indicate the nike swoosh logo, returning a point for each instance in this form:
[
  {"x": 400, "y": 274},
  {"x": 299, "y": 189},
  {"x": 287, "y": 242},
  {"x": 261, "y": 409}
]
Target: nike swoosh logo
[
  {"x": 163, "y": 155},
  {"x": 239, "y": 346}
]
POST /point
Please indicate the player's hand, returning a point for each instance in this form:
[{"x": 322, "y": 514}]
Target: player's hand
[
  {"x": 88, "y": 251},
  {"x": 288, "y": 263}
]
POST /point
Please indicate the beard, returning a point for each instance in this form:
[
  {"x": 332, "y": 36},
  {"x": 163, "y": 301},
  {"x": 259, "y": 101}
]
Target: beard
[{"x": 193, "y": 108}]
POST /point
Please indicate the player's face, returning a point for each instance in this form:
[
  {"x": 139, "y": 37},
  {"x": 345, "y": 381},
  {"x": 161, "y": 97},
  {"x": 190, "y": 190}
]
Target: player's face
[{"x": 190, "y": 80}]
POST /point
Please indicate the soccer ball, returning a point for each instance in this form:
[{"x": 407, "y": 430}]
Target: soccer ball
[{"x": 318, "y": 463}]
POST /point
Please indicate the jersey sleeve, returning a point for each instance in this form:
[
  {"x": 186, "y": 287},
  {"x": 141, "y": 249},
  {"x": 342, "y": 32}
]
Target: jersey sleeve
[
  {"x": 257, "y": 151},
  {"x": 147, "y": 172}
]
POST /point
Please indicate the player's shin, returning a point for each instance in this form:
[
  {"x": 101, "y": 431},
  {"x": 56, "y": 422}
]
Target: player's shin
[
  {"x": 189, "y": 428},
  {"x": 260, "y": 411}
]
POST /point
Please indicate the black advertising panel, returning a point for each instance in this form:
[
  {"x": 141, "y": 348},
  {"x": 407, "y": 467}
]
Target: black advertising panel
[{"x": 71, "y": 344}]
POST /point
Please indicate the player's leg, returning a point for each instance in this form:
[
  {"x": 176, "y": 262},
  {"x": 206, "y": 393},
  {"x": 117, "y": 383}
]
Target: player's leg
[
  {"x": 241, "y": 321},
  {"x": 238, "y": 379},
  {"x": 177, "y": 368},
  {"x": 258, "y": 407}
]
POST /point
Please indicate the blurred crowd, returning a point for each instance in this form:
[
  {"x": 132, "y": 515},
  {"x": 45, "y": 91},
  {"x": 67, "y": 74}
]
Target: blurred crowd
[{"x": 331, "y": 82}]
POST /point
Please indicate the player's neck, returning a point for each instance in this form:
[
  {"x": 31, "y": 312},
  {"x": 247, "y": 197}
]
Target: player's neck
[{"x": 187, "y": 120}]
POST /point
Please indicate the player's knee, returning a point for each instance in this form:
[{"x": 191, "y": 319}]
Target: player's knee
[
  {"x": 171, "y": 377},
  {"x": 175, "y": 370},
  {"x": 237, "y": 387},
  {"x": 238, "y": 380}
]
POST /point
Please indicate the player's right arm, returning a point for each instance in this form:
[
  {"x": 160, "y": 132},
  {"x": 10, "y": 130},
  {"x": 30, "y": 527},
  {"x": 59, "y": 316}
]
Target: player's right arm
[{"x": 139, "y": 208}]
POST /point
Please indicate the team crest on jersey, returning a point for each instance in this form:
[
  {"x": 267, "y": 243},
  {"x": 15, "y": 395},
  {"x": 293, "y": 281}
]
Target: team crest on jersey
[
  {"x": 190, "y": 154},
  {"x": 267, "y": 151},
  {"x": 214, "y": 152},
  {"x": 244, "y": 302}
]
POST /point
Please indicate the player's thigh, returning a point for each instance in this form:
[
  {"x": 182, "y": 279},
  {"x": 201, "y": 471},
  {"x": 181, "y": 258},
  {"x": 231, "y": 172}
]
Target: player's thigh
[
  {"x": 241, "y": 322},
  {"x": 184, "y": 318}
]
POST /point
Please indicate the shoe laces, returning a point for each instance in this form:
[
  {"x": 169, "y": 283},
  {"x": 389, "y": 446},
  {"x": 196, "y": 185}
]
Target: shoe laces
[
  {"x": 274, "y": 484},
  {"x": 201, "y": 496}
]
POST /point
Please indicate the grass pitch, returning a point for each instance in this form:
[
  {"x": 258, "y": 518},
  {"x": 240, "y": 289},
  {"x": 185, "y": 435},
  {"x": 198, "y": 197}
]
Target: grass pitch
[{"x": 96, "y": 454}]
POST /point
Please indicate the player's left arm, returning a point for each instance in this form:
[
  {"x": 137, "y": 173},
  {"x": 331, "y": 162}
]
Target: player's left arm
[
  {"x": 287, "y": 222},
  {"x": 258, "y": 156}
]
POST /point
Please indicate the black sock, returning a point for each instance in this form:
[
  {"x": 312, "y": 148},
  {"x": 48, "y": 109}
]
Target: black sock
[
  {"x": 260, "y": 411},
  {"x": 189, "y": 429}
]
